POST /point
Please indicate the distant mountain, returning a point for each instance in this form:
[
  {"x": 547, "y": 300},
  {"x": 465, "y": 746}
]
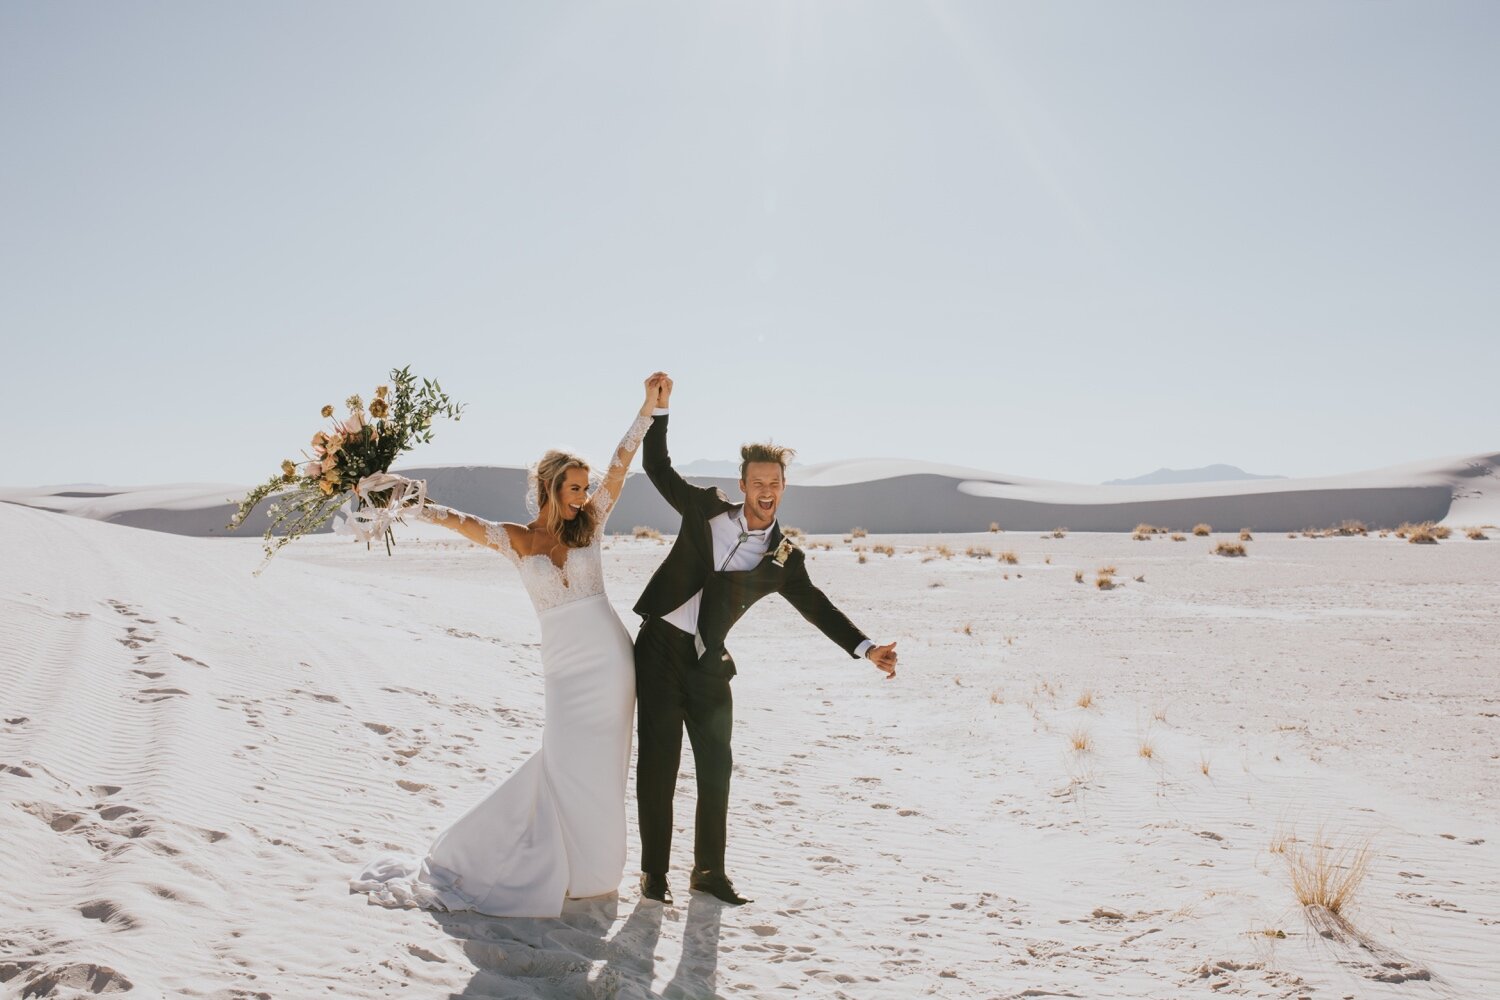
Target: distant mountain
[{"x": 1207, "y": 474}]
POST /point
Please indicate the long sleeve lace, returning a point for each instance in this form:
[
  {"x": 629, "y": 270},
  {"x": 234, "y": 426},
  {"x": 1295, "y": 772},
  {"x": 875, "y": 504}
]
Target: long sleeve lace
[
  {"x": 476, "y": 529},
  {"x": 619, "y": 465}
]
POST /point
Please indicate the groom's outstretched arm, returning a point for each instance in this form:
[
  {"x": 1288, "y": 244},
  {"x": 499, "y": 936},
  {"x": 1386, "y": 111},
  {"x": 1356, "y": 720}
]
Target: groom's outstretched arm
[{"x": 814, "y": 605}]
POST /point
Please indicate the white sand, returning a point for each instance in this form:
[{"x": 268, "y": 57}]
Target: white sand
[{"x": 193, "y": 761}]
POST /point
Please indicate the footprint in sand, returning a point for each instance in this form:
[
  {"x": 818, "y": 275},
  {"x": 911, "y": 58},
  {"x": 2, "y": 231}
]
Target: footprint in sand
[
  {"x": 65, "y": 980},
  {"x": 110, "y": 914},
  {"x": 188, "y": 659},
  {"x": 411, "y": 786},
  {"x": 379, "y": 727},
  {"x": 19, "y": 772},
  {"x": 151, "y": 695}
]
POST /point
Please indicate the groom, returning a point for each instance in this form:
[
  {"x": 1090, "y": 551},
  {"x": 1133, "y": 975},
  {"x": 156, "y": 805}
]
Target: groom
[{"x": 726, "y": 557}]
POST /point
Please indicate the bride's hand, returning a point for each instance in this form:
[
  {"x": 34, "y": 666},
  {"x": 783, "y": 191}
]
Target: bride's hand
[{"x": 654, "y": 393}]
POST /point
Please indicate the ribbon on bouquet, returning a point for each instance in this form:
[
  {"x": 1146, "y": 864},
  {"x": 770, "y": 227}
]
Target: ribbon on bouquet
[{"x": 372, "y": 521}]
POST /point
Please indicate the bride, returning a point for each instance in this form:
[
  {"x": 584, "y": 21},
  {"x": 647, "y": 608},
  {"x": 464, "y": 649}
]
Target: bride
[{"x": 554, "y": 829}]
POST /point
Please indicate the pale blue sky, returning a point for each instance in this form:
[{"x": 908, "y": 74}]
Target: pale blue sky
[{"x": 1066, "y": 240}]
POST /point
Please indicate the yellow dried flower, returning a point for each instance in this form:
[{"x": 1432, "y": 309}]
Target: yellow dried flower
[
  {"x": 381, "y": 390},
  {"x": 328, "y": 410},
  {"x": 288, "y": 470},
  {"x": 319, "y": 439},
  {"x": 354, "y": 403},
  {"x": 378, "y": 408}
]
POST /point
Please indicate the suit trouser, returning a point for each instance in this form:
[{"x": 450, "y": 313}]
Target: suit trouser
[{"x": 672, "y": 691}]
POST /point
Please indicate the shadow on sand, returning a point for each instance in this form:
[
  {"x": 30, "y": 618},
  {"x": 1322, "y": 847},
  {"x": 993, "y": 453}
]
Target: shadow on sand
[{"x": 586, "y": 952}]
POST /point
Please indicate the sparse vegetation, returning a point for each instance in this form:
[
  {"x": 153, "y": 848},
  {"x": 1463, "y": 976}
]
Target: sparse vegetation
[
  {"x": 1202, "y": 530},
  {"x": 1009, "y": 557},
  {"x": 1059, "y": 532},
  {"x": 885, "y": 550},
  {"x": 1203, "y": 766},
  {"x": 1086, "y": 698},
  {"x": 858, "y": 533},
  {"x": 1351, "y": 528},
  {"x": 997, "y": 697},
  {"x": 995, "y": 526},
  {"x": 1324, "y": 874},
  {"x": 795, "y": 533},
  {"x": 944, "y": 552},
  {"x": 1147, "y": 749},
  {"x": 1178, "y": 536},
  {"x": 1476, "y": 534},
  {"x": 1078, "y": 576},
  {"x": 1104, "y": 581},
  {"x": 1245, "y": 535},
  {"x": 978, "y": 552},
  {"x": 1080, "y": 741},
  {"x": 1160, "y": 714},
  {"x": 1441, "y": 531},
  {"x": 641, "y": 531},
  {"x": 1419, "y": 534},
  {"x": 1229, "y": 549},
  {"x": 863, "y": 558}
]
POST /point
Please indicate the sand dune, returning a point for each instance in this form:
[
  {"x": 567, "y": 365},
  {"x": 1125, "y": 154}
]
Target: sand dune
[
  {"x": 887, "y": 496},
  {"x": 193, "y": 761}
]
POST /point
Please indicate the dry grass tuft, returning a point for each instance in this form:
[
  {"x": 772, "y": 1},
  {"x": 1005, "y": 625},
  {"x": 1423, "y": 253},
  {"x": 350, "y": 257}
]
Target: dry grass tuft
[
  {"x": 1080, "y": 741},
  {"x": 794, "y": 532},
  {"x": 858, "y": 533},
  {"x": 1441, "y": 531},
  {"x": 1418, "y": 534},
  {"x": 1147, "y": 749},
  {"x": 885, "y": 550},
  {"x": 1059, "y": 532},
  {"x": 1178, "y": 536},
  {"x": 1245, "y": 535},
  {"x": 944, "y": 552},
  {"x": 1325, "y": 874},
  {"x": 1078, "y": 576},
  {"x": 1104, "y": 581},
  {"x": 1351, "y": 528},
  {"x": 1203, "y": 766},
  {"x": 1476, "y": 534},
  {"x": 995, "y": 526},
  {"x": 1086, "y": 698},
  {"x": 1202, "y": 529},
  {"x": 1160, "y": 714},
  {"x": 997, "y": 697},
  {"x": 1009, "y": 557},
  {"x": 1229, "y": 549},
  {"x": 863, "y": 558},
  {"x": 641, "y": 531},
  {"x": 978, "y": 552}
]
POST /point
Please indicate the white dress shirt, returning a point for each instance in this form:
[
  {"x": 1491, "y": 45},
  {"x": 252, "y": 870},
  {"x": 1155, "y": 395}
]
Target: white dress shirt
[{"x": 736, "y": 549}]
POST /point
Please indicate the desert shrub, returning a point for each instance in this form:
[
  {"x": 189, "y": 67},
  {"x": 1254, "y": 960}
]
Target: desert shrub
[
  {"x": 1476, "y": 534},
  {"x": 1229, "y": 549},
  {"x": 1245, "y": 535},
  {"x": 978, "y": 552},
  {"x": 1078, "y": 576},
  {"x": 994, "y": 526},
  {"x": 858, "y": 533},
  {"x": 1059, "y": 532},
  {"x": 1420, "y": 534},
  {"x": 1202, "y": 529},
  {"x": 641, "y": 531},
  {"x": 1324, "y": 874},
  {"x": 1009, "y": 557},
  {"x": 1178, "y": 536}
]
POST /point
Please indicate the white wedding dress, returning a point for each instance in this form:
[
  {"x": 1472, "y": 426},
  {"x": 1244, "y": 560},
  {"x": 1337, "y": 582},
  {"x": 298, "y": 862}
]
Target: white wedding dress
[{"x": 555, "y": 828}]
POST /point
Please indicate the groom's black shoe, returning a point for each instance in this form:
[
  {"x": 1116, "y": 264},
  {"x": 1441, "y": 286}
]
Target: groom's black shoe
[
  {"x": 716, "y": 884},
  {"x": 655, "y": 887}
]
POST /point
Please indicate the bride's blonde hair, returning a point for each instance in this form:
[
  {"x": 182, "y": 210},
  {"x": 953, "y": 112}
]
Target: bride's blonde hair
[{"x": 548, "y": 477}]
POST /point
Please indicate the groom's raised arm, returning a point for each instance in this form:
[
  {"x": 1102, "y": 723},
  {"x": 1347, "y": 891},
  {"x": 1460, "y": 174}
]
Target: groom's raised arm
[{"x": 658, "y": 465}]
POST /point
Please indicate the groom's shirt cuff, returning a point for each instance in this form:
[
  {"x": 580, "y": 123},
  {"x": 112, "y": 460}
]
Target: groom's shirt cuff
[
  {"x": 660, "y": 411},
  {"x": 863, "y": 648}
]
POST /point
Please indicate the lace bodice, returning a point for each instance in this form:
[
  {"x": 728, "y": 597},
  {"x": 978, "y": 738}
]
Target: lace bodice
[{"x": 582, "y": 573}]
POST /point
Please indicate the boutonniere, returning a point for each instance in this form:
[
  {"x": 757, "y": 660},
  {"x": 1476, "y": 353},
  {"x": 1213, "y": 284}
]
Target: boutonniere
[{"x": 783, "y": 552}]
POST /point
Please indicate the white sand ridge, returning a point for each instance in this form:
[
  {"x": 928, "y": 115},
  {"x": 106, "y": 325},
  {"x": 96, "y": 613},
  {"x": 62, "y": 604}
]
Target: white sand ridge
[{"x": 893, "y": 495}]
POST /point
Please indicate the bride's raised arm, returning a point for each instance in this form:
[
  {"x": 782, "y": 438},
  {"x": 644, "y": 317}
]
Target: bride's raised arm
[
  {"x": 608, "y": 492},
  {"x": 495, "y": 534}
]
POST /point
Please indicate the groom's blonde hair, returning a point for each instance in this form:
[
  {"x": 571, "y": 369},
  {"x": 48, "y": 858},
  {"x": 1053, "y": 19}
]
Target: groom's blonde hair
[{"x": 765, "y": 452}]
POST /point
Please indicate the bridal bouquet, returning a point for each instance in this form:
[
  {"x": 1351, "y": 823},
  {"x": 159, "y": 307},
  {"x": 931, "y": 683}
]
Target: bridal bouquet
[{"x": 348, "y": 464}]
